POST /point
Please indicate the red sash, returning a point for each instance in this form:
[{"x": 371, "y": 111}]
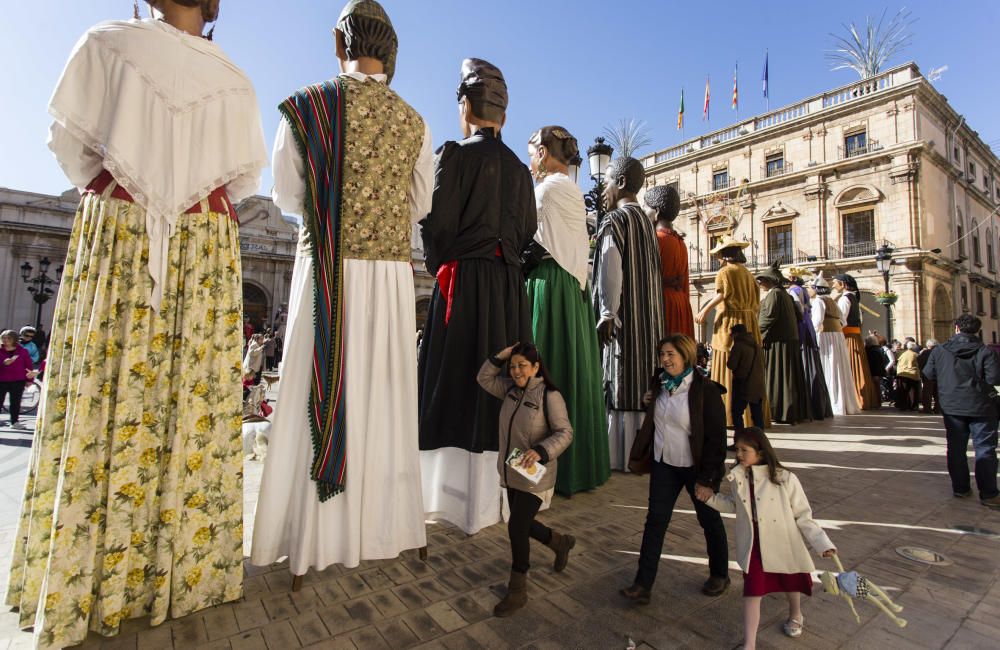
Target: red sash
[{"x": 218, "y": 200}]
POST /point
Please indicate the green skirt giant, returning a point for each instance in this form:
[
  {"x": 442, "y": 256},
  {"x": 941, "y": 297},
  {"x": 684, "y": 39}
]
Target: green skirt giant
[{"x": 562, "y": 320}]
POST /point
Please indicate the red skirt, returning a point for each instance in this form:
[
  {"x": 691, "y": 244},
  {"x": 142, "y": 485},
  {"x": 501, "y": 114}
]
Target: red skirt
[{"x": 758, "y": 582}]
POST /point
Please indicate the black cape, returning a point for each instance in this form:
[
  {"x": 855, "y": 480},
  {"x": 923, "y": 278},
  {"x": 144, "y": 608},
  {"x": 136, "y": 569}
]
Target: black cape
[{"x": 483, "y": 215}]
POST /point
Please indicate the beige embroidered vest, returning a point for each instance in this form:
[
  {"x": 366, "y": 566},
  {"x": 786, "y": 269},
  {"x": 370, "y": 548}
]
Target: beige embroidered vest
[{"x": 382, "y": 140}]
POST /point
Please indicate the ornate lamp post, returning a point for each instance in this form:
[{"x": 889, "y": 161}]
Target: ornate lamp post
[
  {"x": 38, "y": 286},
  {"x": 883, "y": 262},
  {"x": 599, "y": 155}
]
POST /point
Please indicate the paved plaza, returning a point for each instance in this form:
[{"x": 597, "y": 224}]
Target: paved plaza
[{"x": 876, "y": 482}]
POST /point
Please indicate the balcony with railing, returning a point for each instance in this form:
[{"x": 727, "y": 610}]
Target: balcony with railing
[
  {"x": 775, "y": 168},
  {"x": 864, "y": 248},
  {"x": 720, "y": 184},
  {"x": 843, "y": 153}
]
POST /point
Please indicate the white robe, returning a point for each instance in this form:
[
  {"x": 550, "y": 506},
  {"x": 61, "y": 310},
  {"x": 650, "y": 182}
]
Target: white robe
[
  {"x": 836, "y": 363},
  {"x": 380, "y": 513}
]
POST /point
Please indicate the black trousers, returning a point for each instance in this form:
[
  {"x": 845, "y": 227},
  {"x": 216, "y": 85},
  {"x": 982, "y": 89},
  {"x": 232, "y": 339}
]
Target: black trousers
[
  {"x": 15, "y": 389},
  {"x": 738, "y": 406},
  {"x": 522, "y": 528},
  {"x": 665, "y": 485}
]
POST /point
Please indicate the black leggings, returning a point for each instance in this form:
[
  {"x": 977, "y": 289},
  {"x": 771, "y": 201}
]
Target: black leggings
[
  {"x": 15, "y": 389},
  {"x": 522, "y": 525}
]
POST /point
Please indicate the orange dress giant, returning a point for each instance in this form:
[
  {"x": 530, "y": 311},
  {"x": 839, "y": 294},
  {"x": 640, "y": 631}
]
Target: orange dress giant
[
  {"x": 740, "y": 304},
  {"x": 677, "y": 314}
]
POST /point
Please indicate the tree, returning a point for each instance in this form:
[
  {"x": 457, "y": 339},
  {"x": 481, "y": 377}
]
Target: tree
[
  {"x": 628, "y": 137},
  {"x": 866, "y": 51}
]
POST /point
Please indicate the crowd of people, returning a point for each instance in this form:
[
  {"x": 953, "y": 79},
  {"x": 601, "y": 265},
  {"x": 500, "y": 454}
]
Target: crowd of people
[{"x": 133, "y": 504}]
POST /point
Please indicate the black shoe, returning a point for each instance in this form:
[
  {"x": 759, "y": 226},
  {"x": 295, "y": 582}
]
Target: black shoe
[
  {"x": 963, "y": 495},
  {"x": 637, "y": 594},
  {"x": 715, "y": 586}
]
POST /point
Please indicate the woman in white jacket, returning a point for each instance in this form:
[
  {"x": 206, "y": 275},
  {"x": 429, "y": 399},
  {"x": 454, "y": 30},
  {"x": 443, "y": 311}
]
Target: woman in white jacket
[{"x": 773, "y": 522}]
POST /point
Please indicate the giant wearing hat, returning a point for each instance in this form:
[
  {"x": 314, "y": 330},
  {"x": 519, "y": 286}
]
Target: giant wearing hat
[{"x": 736, "y": 301}]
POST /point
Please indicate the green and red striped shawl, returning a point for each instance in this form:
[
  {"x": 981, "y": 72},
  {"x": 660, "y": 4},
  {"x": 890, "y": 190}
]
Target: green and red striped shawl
[{"x": 316, "y": 115}]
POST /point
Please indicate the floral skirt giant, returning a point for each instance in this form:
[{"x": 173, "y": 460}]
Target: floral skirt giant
[{"x": 134, "y": 499}]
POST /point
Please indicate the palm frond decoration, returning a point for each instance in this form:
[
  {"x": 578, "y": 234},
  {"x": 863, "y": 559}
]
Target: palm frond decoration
[
  {"x": 867, "y": 50},
  {"x": 628, "y": 137}
]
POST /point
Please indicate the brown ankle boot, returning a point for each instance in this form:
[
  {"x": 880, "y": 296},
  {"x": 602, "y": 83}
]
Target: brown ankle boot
[
  {"x": 517, "y": 595},
  {"x": 561, "y": 545}
]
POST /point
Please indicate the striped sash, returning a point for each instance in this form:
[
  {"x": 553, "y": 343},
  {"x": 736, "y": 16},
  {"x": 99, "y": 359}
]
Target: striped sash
[{"x": 316, "y": 115}]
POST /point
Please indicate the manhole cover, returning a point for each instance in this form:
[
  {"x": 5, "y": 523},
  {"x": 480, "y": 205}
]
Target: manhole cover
[
  {"x": 975, "y": 530},
  {"x": 922, "y": 555}
]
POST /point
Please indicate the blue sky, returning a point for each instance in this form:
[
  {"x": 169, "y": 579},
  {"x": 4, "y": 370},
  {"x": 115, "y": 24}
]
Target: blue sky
[{"x": 582, "y": 64}]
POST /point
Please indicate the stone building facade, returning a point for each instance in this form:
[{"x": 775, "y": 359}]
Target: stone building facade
[
  {"x": 37, "y": 226},
  {"x": 825, "y": 182}
]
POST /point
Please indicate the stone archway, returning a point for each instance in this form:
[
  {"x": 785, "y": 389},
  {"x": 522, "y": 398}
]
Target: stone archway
[
  {"x": 943, "y": 314},
  {"x": 423, "y": 306},
  {"x": 255, "y": 306}
]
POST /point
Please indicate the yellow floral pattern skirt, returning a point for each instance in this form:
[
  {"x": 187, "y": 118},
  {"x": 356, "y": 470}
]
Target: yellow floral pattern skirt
[{"x": 134, "y": 499}]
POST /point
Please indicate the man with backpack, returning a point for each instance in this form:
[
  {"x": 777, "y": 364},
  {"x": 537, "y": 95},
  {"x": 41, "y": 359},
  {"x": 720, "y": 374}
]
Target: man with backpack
[{"x": 966, "y": 372}]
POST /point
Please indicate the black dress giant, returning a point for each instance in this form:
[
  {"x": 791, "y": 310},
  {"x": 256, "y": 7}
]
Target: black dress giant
[{"x": 483, "y": 216}]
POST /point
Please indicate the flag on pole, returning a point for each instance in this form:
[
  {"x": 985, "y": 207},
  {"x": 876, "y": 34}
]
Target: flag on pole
[
  {"x": 704, "y": 115},
  {"x": 736, "y": 92},
  {"x": 763, "y": 76},
  {"x": 680, "y": 113}
]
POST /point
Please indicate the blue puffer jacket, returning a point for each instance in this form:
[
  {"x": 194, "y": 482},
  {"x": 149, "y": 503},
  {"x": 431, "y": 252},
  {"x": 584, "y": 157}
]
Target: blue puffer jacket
[{"x": 965, "y": 371}]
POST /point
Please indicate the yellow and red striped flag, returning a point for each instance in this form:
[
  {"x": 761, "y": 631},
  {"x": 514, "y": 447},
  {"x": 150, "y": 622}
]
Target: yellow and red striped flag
[
  {"x": 736, "y": 91},
  {"x": 704, "y": 115}
]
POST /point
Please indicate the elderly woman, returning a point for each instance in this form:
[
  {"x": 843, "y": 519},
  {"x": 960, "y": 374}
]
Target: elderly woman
[
  {"x": 738, "y": 297},
  {"x": 682, "y": 444},
  {"x": 15, "y": 369},
  {"x": 908, "y": 379},
  {"x": 562, "y": 316},
  {"x": 138, "y": 459},
  {"x": 534, "y": 421}
]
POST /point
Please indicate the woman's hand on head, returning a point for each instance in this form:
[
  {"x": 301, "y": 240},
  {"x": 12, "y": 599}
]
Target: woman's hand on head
[{"x": 504, "y": 354}]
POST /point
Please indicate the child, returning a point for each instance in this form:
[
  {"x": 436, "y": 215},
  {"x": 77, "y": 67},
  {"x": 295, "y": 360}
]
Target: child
[
  {"x": 533, "y": 418},
  {"x": 746, "y": 360},
  {"x": 770, "y": 531}
]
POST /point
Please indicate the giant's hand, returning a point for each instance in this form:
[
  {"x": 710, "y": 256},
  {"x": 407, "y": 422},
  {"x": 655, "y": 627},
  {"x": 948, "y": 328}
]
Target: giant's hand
[{"x": 605, "y": 332}]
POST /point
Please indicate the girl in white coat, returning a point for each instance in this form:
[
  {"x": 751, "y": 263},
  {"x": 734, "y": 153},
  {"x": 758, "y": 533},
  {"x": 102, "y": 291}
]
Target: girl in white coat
[{"x": 773, "y": 522}]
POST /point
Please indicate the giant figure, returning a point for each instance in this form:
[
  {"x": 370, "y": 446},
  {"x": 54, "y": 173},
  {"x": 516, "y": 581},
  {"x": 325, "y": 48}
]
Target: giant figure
[
  {"x": 482, "y": 217},
  {"x": 133, "y": 505},
  {"x": 341, "y": 482},
  {"x": 628, "y": 301}
]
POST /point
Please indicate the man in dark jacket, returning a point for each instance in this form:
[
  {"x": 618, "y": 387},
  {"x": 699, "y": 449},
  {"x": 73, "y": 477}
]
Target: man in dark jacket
[
  {"x": 746, "y": 360},
  {"x": 966, "y": 372}
]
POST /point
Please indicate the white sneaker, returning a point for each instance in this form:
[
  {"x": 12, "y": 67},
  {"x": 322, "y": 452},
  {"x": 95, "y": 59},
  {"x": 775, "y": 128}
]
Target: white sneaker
[{"x": 19, "y": 425}]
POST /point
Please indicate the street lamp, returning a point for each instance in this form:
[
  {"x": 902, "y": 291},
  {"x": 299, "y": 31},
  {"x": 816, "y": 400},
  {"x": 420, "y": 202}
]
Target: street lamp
[
  {"x": 883, "y": 262},
  {"x": 599, "y": 156},
  {"x": 38, "y": 285}
]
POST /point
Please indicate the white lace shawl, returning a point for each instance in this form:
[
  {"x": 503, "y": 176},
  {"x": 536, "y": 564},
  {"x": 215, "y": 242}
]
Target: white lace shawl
[{"x": 167, "y": 113}]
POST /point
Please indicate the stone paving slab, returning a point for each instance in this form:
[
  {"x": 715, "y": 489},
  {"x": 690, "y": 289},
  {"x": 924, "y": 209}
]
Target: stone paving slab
[{"x": 875, "y": 481}]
